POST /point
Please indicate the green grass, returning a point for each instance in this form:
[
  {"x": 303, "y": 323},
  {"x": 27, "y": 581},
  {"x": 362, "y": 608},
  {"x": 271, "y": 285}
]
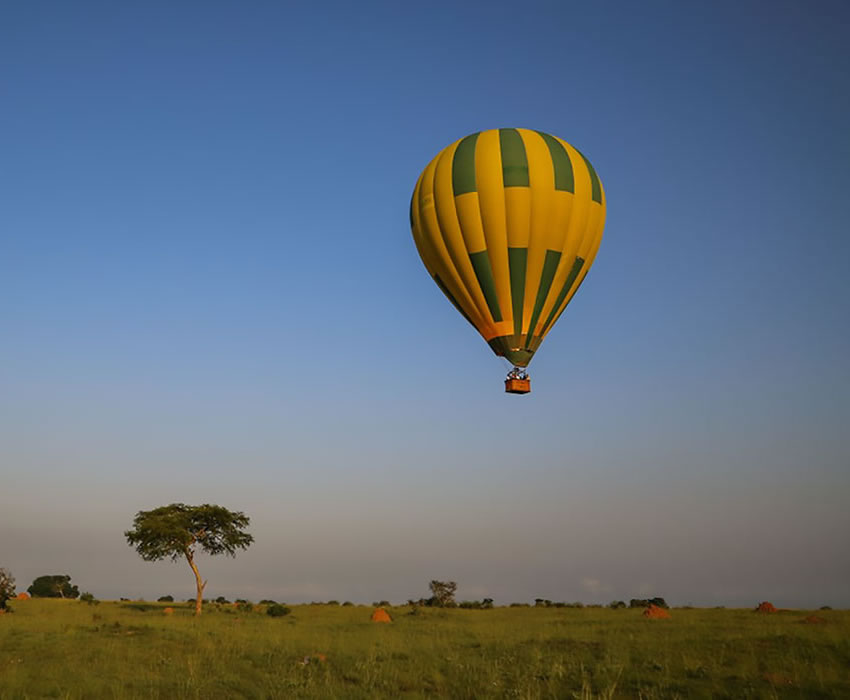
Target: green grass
[{"x": 68, "y": 649}]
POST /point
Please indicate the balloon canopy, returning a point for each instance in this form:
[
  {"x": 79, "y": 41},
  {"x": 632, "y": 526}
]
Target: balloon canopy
[{"x": 507, "y": 223}]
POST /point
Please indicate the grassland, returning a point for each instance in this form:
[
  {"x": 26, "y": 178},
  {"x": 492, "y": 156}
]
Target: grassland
[{"x": 69, "y": 649}]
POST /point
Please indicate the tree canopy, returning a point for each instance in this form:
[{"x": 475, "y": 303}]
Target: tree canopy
[
  {"x": 178, "y": 530},
  {"x": 53, "y": 586},
  {"x": 170, "y": 531}
]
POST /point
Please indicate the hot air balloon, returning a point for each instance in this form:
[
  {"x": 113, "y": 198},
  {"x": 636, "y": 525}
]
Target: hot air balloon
[{"x": 507, "y": 223}]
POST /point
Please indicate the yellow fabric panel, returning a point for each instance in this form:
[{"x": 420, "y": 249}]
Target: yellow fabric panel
[
  {"x": 423, "y": 245},
  {"x": 577, "y": 231},
  {"x": 449, "y": 227},
  {"x": 561, "y": 215},
  {"x": 583, "y": 198},
  {"x": 469, "y": 217},
  {"x": 593, "y": 235},
  {"x": 541, "y": 180},
  {"x": 572, "y": 238},
  {"x": 491, "y": 198},
  {"x": 432, "y": 240},
  {"x": 518, "y": 215}
]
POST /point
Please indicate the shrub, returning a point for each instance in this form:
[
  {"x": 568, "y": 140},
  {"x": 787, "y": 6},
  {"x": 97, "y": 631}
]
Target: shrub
[
  {"x": 333, "y": 602},
  {"x": 89, "y": 598},
  {"x": 347, "y": 602},
  {"x": 277, "y": 610},
  {"x": 616, "y": 604},
  {"x": 7, "y": 587},
  {"x": 825, "y": 607},
  {"x": 268, "y": 601},
  {"x": 165, "y": 599}
]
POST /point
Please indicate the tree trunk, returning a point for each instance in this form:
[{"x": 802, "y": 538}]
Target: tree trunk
[{"x": 200, "y": 584}]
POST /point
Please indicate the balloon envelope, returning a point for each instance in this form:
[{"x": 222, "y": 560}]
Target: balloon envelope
[{"x": 507, "y": 223}]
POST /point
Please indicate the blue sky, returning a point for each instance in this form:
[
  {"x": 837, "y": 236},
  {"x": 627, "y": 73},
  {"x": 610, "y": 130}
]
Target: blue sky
[{"x": 209, "y": 292}]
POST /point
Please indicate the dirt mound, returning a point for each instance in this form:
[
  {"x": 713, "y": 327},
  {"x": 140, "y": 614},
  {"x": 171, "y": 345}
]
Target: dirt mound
[
  {"x": 381, "y": 615},
  {"x": 655, "y": 613},
  {"x": 766, "y": 607},
  {"x": 813, "y": 620},
  {"x": 22, "y": 596}
]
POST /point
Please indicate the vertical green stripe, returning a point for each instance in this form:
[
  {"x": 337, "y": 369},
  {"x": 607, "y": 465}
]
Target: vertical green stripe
[
  {"x": 463, "y": 166},
  {"x": 576, "y": 268},
  {"x": 484, "y": 272},
  {"x": 452, "y": 299},
  {"x": 564, "y": 180},
  {"x": 517, "y": 261},
  {"x": 596, "y": 187},
  {"x": 514, "y": 160},
  {"x": 550, "y": 265}
]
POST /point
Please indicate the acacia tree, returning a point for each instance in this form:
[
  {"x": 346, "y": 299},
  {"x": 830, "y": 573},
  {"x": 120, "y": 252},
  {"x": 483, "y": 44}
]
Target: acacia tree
[
  {"x": 53, "y": 586},
  {"x": 178, "y": 530},
  {"x": 443, "y": 593}
]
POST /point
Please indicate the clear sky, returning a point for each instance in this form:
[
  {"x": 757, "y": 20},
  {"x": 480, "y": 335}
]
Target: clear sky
[{"x": 209, "y": 293}]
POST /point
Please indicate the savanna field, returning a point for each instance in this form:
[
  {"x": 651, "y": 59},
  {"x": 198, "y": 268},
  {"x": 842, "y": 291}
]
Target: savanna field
[{"x": 70, "y": 649}]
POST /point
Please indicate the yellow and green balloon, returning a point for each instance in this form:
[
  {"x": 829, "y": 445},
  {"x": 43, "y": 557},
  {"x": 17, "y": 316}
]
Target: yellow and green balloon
[{"x": 507, "y": 223}]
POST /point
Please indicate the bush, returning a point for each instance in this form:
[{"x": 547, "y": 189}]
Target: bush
[
  {"x": 277, "y": 610},
  {"x": 347, "y": 602},
  {"x": 333, "y": 602},
  {"x": 616, "y": 604},
  {"x": 89, "y": 598},
  {"x": 7, "y": 587},
  {"x": 165, "y": 599},
  {"x": 268, "y": 601}
]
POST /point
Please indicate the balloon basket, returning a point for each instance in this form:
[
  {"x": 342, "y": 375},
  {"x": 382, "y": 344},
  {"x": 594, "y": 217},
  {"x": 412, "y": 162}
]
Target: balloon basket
[{"x": 517, "y": 382}]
